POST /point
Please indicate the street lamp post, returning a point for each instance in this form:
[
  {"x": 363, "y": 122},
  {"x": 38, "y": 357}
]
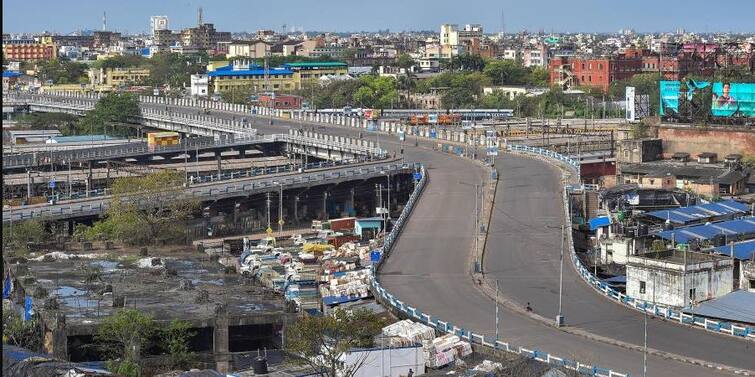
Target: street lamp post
[{"x": 560, "y": 317}]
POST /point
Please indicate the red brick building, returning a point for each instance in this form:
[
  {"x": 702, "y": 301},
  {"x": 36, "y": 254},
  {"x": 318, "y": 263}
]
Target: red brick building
[
  {"x": 595, "y": 72},
  {"x": 28, "y": 51},
  {"x": 282, "y": 101}
]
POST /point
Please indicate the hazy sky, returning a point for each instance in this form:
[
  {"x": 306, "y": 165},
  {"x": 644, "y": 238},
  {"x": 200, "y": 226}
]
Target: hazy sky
[{"x": 63, "y": 16}]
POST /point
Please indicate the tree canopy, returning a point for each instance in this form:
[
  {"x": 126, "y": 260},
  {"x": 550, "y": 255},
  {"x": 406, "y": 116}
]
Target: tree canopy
[
  {"x": 111, "y": 108},
  {"x": 62, "y": 71},
  {"x": 322, "y": 342},
  {"x": 146, "y": 210}
]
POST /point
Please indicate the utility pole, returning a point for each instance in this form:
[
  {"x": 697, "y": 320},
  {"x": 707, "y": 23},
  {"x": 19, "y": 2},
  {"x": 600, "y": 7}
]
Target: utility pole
[
  {"x": 560, "y": 317},
  {"x": 477, "y": 226},
  {"x": 280, "y": 211},
  {"x": 268, "y": 210},
  {"x": 496, "y": 311}
]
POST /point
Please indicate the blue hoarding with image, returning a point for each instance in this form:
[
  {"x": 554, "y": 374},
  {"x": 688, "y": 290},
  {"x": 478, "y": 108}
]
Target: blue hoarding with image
[
  {"x": 669, "y": 97},
  {"x": 731, "y": 99}
]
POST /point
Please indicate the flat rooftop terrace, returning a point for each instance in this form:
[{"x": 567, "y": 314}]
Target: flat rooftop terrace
[{"x": 175, "y": 283}]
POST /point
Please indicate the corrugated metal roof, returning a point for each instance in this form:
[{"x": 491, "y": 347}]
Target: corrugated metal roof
[
  {"x": 742, "y": 250},
  {"x": 745, "y": 226},
  {"x": 737, "y": 306},
  {"x": 686, "y": 215}
]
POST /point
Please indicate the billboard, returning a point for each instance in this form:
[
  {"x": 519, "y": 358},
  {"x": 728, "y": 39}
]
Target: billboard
[
  {"x": 629, "y": 97},
  {"x": 669, "y": 97},
  {"x": 730, "y": 99}
]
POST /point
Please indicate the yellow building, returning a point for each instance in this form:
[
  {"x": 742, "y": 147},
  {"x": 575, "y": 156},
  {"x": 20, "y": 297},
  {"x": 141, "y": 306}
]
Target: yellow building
[
  {"x": 116, "y": 77},
  {"x": 243, "y": 75},
  {"x": 311, "y": 71}
]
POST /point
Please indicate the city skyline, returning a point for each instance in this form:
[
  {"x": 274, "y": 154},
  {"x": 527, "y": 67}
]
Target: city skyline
[{"x": 341, "y": 16}]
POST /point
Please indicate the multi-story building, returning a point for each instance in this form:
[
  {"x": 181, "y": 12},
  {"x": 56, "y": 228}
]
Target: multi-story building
[
  {"x": 595, "y": 72},
  {"x": 200, "y": 85},
  {"x": 242, "y": 75},
  {"x": 249, "y": 49},
  {"x": 535, "y": 57},
  {"x": 458, "y": 41},
  {"x": 203, "y": 37},
  {"x": 312, "y": 71},
  {"x": 165, "y": 38},
  {"x": 27, "y": 50},
  {"x": 158, "y": 23},
  {"x": 103, "y": 39},
  {"x": 116, "y": 77}
]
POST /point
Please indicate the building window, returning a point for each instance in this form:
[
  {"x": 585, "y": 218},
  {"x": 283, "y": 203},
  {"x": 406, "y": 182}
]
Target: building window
[
  {"x": 642, "y": 287},
  {"x": 752, "y": 284}
]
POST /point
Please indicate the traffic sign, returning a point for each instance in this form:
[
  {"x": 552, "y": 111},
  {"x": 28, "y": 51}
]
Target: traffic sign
[
  {"x": 269, "y": 230},
  {"x": 52, "y": 183},
  {"x": 281, "y": 222}
]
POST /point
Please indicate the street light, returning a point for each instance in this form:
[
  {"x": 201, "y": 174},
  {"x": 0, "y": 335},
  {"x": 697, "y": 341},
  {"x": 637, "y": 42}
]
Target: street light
[
  {"x": 280, "y": 209},
  {"x": 388, "y": 210}
]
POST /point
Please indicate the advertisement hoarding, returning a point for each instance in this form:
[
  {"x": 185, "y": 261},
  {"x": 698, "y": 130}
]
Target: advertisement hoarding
[
  {"x": 669, "y": 97},
  {"x": 629, "y": 98},
  {"x": 733, "y": 99}
]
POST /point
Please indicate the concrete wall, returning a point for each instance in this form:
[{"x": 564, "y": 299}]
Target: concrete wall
[
  {"x": 619, "y": 248},
  {"x": 666, "y": 285},
  {"x": 394, "y": 362},
  {"x": 721, "y": 140}
]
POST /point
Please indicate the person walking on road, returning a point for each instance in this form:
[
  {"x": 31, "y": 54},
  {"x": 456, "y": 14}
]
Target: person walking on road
[{"x": 411, "y": 373}]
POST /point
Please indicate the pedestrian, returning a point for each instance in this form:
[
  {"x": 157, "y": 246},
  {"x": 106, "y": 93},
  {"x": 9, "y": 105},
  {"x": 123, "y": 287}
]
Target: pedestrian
[
  {"x": 411, "y": 373},
  {"x": 529, "y": 308}
]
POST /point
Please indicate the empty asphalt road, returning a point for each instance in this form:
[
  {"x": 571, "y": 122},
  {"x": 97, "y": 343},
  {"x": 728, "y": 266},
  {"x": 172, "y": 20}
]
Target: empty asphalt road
[{"x": 429, "y": 266}]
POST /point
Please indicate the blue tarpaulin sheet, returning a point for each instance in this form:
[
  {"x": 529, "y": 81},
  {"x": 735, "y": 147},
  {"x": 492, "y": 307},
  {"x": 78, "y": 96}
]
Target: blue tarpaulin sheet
[
  {"x": 597, "y": 222},
  {"x": 742, "y": 250},
  {"x": 703, "y": 212},
  {"x": 745, "y": 226}
]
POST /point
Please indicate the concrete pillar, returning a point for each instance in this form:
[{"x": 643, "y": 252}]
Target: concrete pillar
[
  {"x": 220, "y": 166},
  {"x": 220, "y": 339}
]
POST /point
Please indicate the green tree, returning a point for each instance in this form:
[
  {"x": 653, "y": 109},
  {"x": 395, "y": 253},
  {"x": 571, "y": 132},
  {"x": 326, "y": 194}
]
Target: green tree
[
  {"x": 405, "y": 61},
  {"x": 62, "y": 71},
  {"x": 506, "y": 72},
  {"x": 123, "y": 337},
  {"x": 464, "y": 62},
  {"x": 322, "y": 342},
  {"x": 175, "y": 69},
  {"x": 17, "y": 332},
  {"x": 147, "y": 210},
  {"x": 176, "y": 339},
  {"x": 65, "y": 123},
  {"x": 645, "y": 83},
  {"x": 17, "y": 237},
  {"x": 113, "y": 108}
]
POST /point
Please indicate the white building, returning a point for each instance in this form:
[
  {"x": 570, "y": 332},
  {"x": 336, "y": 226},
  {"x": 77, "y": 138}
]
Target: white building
[
  {"x": 511, "y": 91},
  {"x": 677, "y": 278},
  {"x": 449, "y": 35},
  {"x": 199, "y": 85},
  {"x": 158, "y": 23}
]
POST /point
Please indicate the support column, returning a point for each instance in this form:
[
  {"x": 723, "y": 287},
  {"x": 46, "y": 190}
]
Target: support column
[
  {"x": 220, "y": 340},
  {"x": 219, "y": 158}
]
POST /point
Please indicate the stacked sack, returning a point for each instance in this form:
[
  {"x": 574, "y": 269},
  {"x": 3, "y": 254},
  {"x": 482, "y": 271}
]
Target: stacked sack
[
  {"x": 405, "y": 333},
  {"x": 444, "y": 350}
]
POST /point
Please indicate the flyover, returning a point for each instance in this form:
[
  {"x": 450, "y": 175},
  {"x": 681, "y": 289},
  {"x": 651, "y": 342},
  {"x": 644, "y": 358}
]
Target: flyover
[
  {"x": 429, "y": 269},
  {"x": 220, "y": 189}
]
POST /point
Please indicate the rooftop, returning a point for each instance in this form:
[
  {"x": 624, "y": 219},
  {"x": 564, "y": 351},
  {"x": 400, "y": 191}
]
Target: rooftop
[
  {"x": 736, "y": 306},
  {"x": 253, "y": 71},
  {"x": 742, "y": 250},
  {"x": 175, "y": 283},
  {"x": 686, "y": 215},
  {"x": 744, "y": 227},
  {"x": 315, "y": 65}
]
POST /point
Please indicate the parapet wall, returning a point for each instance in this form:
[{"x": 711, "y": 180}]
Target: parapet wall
[{"x": 722, "y": 140}]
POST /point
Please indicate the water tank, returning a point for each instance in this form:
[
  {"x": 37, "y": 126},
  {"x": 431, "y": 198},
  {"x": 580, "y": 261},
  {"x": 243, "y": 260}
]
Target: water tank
[{"x": 259, "y": 366}]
